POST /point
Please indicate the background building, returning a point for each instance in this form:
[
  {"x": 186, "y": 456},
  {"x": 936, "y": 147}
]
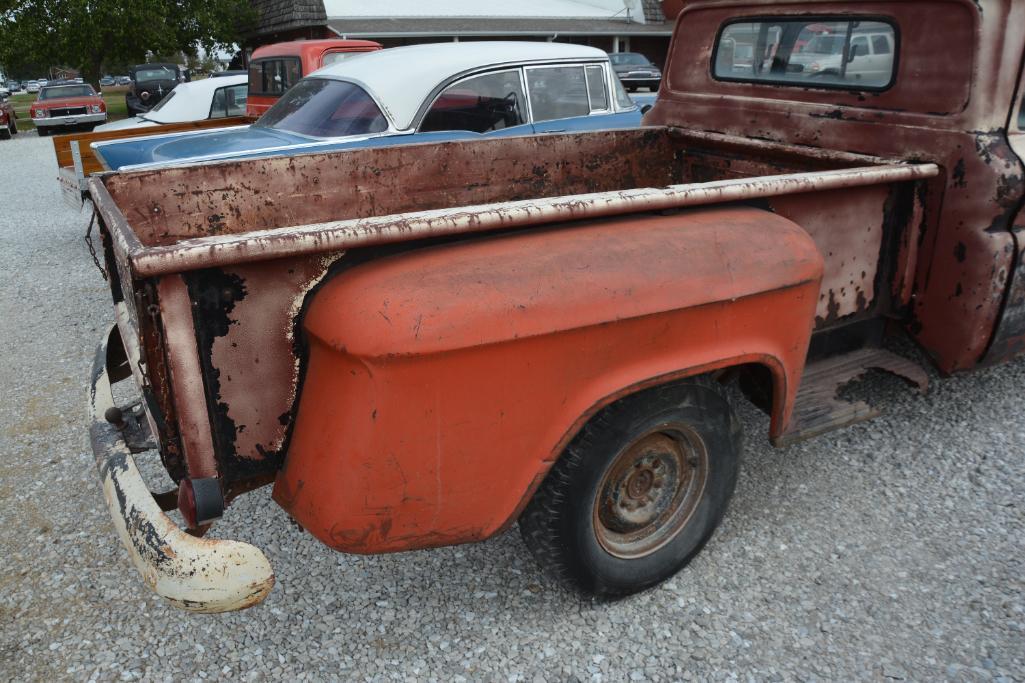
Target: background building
[{"x": 612, "y": 25}]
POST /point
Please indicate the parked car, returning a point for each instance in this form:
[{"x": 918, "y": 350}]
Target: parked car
[
  {"x": 273, "y": 69},
  {"x": 67, "y": 106},
  {"x": 420, "y": 93},
  {"x": 106, "y": 81},
  {"x": 635, "y": 70},
  {"x": 150, "y": 83},
  {"x": 123, "y": 80},
  {"x": 211, "y": 98},
  {"x": 8, "y": 120},
  {"x": 5, "y": 91},
  {"x": 32, "y": 86},
  {"x": 14, "y": 86},
  {"x": 868, "y": 58},
  {"x": 424, "y": 345}
]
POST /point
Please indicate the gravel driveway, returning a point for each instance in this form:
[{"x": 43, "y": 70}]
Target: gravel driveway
[{"x": 892, "y": 550}]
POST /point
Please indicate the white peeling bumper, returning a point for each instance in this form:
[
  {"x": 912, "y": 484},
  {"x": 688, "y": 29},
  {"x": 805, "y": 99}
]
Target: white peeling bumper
[{"x": 195, "y": 574}]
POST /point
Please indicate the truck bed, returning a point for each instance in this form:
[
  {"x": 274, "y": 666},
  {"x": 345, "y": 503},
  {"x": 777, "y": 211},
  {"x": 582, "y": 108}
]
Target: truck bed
[{"x": 226, "y": 253}]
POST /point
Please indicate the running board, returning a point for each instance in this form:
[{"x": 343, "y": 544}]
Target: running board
[{"x": 818, "y": 409}]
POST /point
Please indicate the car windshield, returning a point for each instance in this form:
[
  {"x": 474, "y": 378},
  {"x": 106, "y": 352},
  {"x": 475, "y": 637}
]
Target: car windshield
[
  {"x": 161, "y": 73},
  {"x": 629, "y": 59},
  {"x": 53, "y": 93},
  {"x": 324, "y": 108}
]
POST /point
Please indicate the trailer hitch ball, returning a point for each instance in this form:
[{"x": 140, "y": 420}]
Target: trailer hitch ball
[
  {"x": 114, "y": 416},
  {"x": 200, "y": 501}
]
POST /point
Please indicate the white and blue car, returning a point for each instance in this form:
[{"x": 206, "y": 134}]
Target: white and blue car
[{"x": 420, "y": 93}]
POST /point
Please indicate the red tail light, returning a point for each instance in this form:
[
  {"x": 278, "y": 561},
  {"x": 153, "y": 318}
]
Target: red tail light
[{"x": 200, "y": 501}]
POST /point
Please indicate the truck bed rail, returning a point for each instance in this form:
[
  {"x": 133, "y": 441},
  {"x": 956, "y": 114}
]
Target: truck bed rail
[{"x": 224, "y": 250}]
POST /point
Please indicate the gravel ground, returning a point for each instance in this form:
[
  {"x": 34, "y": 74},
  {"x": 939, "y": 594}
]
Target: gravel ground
[{"x": 892, "y": 550}]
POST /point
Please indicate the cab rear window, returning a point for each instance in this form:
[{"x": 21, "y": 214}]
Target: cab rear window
[
  {"x": 273, "y": 76},
  {"x": 818, "y": 53}
]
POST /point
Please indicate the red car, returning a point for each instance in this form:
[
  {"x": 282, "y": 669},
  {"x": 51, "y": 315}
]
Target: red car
[
  {"x": 67, "y": 106},
  {"x": 273, "y": 69},
  {"x": 8, "y": 124}
]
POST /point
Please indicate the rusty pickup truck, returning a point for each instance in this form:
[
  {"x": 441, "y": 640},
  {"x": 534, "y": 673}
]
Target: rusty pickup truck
[{"x": 423, "y": 345}]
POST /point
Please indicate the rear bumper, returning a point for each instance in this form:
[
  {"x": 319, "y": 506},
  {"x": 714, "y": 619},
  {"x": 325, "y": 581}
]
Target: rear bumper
[{"x": 195, "y": 574}]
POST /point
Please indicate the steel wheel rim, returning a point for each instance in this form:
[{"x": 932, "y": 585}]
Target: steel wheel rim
[{"x": 650, "y": 491}]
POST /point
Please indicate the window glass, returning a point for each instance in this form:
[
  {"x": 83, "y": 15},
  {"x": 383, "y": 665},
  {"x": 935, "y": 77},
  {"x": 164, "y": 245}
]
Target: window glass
[
  {"x": 622, "y": 96},
  {"x": 629, "y": 59},
  {"x": 808, "y": 53},
  {"x": 235, "y": 100},
  {"x": 325, "y": 108},
  {"x": 596, "y": 88},
  {"x": 1021, "y": 115},
  {"x": 228, "y": 101},
  {"x": 881, "y": 45},
  {"x": 52, "y": 93},
  {"x": 160, "y": 73},
  {"x": 558, "y": 92},
  {"x": 274, "y": 76},
  {"x": 480, "y": 104}
]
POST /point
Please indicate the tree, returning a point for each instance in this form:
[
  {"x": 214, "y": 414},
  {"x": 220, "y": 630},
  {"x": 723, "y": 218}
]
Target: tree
[{"x": 88, "y": 34}]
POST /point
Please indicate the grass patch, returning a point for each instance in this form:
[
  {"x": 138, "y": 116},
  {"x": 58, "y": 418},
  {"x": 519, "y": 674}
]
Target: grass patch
[{"x": 115, "y": 101}]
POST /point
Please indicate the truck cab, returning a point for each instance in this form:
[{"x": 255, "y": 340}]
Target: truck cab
[{"x": 273, "y": 69}]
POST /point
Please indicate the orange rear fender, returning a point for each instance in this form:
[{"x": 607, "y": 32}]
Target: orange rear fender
[{"x": 442, "y": 383}]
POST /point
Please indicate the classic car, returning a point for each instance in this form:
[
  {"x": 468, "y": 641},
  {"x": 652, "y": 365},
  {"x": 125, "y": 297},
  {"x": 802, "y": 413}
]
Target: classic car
[
  {"x": 420, "y": 93},
  {"x": 424, "y": 345},
  {"x": 106, "y": 81},
  {"x": 32, "y": 86},
  {"x": 635, "y": 70},
  {"x": 273, "y": 69},
  {"x": 149, "y": 84},
  {"x": 8, "y": 121},
  {"x": 67, "y": 106},
  {"x": 211, "y": 98}
]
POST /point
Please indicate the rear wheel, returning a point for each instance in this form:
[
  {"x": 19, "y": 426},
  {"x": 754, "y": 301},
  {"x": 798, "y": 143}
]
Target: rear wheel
[
  {"x": 5, "y": 132},
  {"x": 14, "y": 126},
  {"x": 43, "y": 131},
  {"x": 639, "y": 491}
]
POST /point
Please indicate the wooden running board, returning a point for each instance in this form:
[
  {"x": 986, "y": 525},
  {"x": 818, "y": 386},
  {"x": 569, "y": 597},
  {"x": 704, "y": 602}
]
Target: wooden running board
[{"x": 818, "y": 409}]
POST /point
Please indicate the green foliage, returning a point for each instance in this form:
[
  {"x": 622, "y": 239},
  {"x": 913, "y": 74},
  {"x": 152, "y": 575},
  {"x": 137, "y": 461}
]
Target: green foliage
[{"x": 89, "y": 34}]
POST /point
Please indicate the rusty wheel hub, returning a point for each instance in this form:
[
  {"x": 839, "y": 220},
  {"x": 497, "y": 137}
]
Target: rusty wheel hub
[{"x": 650, "y": 491}]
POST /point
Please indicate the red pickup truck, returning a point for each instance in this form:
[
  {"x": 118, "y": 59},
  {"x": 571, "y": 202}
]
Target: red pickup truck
[
  {"x": 423, "y": 345},
  {"x": 273, "y": 69}
]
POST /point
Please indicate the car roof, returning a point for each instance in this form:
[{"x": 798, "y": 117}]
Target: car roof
[
  {"x": 192, "y": 100},
  {"x": 297, "y": 47},
  {"x": 401, "y": 78}
]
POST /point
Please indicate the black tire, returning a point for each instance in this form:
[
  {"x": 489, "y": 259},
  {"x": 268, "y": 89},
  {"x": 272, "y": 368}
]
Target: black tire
[
  {"x": 14, "y": 127},
  {"x": 5, "y": 133},
  {"x": 573, "y": 526},
  {"x": 43, "y": 131}
]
